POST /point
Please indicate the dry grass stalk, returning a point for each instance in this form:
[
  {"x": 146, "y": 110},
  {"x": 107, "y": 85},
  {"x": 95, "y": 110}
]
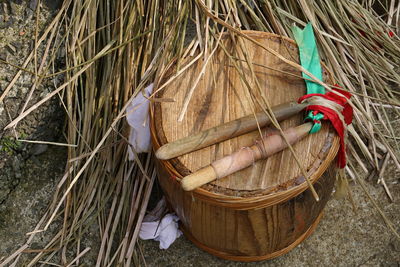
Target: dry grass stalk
[{"x": 116, "y": 48}]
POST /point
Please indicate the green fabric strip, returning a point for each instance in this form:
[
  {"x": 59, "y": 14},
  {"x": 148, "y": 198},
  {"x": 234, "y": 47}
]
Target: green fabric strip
[
  {"x": 316, "y": 119},
  {"x": 309, "y": 57}
]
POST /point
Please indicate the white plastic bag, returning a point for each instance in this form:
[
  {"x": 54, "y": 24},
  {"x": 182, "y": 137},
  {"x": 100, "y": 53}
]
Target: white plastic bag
[
  {"x": 137, "y": 115},
  {"x": 166, "y": 232}
]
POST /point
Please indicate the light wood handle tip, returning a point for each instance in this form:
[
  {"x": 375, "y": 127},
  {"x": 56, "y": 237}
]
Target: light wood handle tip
[
  {"x": 166, "y": 152},
  {"x": 198, "y": 178},
  {"x": 160, "y": 153}
]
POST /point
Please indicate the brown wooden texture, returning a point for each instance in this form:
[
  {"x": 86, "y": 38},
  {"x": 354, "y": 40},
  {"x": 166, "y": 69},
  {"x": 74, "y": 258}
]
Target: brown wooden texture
[
  {"x": 249, "y": 234},
  {"x": 220, "y": 97},
  {"x": 262, "y": 211}
]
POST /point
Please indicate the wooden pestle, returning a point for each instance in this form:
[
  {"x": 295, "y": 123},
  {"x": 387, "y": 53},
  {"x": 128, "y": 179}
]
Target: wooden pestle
[
  {"x": 245, "y": 157},
  {"x": 226, "y": 131}
]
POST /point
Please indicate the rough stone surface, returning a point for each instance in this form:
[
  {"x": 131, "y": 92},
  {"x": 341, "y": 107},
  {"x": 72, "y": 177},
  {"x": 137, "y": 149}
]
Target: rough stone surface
[
  {"x": 28, "y": 199},
  {"x": 16, "y": 42},
  {"x": 28, "y": 172}
]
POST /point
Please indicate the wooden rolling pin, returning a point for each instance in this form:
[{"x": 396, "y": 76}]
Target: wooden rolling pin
[
  {"x": 245, "y": 157},
  {"x": 226, "y": 131}
]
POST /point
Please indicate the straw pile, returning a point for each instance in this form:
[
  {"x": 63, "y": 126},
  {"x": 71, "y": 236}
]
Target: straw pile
[{"x": 116, "y": 48}]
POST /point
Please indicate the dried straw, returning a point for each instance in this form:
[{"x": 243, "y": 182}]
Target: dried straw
[{"x": 116, "y": 48}]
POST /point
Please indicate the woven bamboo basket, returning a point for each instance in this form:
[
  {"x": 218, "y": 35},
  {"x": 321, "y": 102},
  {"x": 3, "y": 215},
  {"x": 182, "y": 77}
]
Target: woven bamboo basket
[{"x": 264, "y": 210}]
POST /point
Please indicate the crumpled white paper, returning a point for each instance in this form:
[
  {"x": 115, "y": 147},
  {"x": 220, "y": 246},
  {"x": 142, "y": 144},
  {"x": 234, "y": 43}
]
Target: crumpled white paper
[
  {"x": 137, "y": 115},
  {"x": 165, "y": 231}
]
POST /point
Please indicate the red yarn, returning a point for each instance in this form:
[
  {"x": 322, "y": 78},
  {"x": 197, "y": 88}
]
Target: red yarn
[{"x": 333, "y": 117}]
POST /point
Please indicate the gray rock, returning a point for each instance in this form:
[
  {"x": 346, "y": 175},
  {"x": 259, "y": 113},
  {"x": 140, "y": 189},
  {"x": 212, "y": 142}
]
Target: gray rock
[
  {"x": 395, "y": 244},
  {"x": 33, "y": 4},
  {"x": 3, "y": 54},
  {"x": 24, "y": 203},
  {"x": 7, "y": 23},
  {"x": 28, "y": 14},
  {"x": 16, "y": 164},
  {"x": 53, "y": 4},
  {"x": 38, "y": 149}
]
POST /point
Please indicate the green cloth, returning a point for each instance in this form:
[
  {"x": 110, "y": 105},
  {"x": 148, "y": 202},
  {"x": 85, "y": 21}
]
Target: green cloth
[
  {"x": 316, "y": 119},
  {"x": 309, "y": 57}
]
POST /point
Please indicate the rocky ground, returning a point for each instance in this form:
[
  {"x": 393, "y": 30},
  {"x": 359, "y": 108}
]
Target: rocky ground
[
  {"x": 16, "y": 42},
  {"x": 30, "y": 172}
]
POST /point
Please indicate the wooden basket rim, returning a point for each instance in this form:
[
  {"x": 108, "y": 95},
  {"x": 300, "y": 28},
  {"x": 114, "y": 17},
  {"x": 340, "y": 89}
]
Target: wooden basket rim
[{"x": 248, "y": 202}]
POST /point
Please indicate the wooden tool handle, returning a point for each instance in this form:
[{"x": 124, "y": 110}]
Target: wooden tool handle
[
  {"x": 226, "y": 131},
  {"x": 244, "y": 157}
]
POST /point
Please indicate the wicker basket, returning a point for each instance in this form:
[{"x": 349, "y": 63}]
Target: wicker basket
[{"x": 262, "y": 211}]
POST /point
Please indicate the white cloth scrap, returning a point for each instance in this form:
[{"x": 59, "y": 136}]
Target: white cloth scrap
[
  {"x": 137, "y": 115},
  {"x": 165, "y": 231}
]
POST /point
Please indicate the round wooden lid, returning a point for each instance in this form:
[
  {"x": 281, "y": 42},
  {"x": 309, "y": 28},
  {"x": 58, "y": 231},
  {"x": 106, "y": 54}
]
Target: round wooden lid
[{"x": 221, "y": 96}]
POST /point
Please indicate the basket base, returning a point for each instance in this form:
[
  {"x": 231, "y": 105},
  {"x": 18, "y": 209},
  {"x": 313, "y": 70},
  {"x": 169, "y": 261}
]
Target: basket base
[{"x": 275, "y": 254}]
